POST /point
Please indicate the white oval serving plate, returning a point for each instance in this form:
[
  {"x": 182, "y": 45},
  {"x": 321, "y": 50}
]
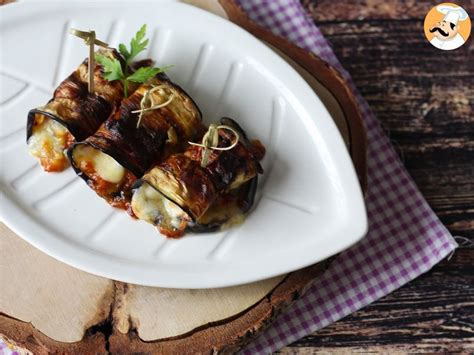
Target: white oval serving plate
[{"x": 309, "y": 205}]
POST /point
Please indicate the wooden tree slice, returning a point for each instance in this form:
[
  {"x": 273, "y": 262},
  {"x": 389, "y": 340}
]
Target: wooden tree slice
[
  {"x": 227, "y": 335},
  {"x": 181, "y": 311},
  {"x": 68, "y": 311},
  {"x": 61, "y": 302},
  {"x": 27, "y": 340},
  {"x": 46, "y": 304},
  {"x": 42, "y": 301}
]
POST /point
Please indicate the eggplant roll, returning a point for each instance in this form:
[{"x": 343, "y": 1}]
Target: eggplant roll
[
  {"x": 122, "y": 150},
  {"x": 177, "y": 193},
  {"x": 228, "y": 209},
  {"x": 72, "y": 114}
]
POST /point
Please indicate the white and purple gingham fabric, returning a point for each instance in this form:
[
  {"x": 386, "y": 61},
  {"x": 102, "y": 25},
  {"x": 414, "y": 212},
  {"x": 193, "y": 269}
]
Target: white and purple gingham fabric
[{"x": 405, "y": 237}]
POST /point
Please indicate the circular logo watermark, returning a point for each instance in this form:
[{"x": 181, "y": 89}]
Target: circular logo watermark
[{"x": 447, "y": 26}]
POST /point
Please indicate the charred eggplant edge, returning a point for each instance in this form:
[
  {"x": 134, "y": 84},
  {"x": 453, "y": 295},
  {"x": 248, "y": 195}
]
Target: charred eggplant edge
[{"x": 249, "y": 200}]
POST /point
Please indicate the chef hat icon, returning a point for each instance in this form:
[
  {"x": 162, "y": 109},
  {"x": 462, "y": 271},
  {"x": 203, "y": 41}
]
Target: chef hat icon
[{"x": 452, "y": 14}]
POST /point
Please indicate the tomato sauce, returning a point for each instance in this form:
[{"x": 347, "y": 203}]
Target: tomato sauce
[{"x": 118, "y": 195}]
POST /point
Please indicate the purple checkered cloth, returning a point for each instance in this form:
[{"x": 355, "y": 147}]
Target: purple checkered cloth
[{"x": 405, "y": 237}]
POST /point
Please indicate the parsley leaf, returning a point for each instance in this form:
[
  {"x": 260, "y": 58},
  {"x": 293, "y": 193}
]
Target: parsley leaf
[
  {"x": 143, "y": 74},
  {"x": 124, "y": 51},
  {"x": 137, "y": 45},
  {"x": 112, "y": 67}
]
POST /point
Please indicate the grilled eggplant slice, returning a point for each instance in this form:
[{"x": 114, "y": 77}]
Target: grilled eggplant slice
[
  {"x": 72, "y": 114},
  {"x": 178, "y": 193},
  {"x": 121, "y": 150},
  {"x": 229, "y": 209}
]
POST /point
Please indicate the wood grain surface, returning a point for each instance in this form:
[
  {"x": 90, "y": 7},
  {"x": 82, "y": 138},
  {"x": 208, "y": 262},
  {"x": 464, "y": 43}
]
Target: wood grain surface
[{"x": 425, "y": 100}]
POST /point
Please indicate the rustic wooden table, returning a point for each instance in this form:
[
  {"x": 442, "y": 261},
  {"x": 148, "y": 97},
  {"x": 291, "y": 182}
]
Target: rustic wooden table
[{"x": 425, "y": 100}]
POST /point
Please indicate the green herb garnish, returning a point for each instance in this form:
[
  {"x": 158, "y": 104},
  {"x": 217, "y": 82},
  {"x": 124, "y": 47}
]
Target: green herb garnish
[
  {"x": 113, "y": 69},
  {"x": 137, "y": 45}
]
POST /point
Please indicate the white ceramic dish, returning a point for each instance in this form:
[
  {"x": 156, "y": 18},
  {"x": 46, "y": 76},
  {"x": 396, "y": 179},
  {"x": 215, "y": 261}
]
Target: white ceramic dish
[{"x": 309, "y": 205}]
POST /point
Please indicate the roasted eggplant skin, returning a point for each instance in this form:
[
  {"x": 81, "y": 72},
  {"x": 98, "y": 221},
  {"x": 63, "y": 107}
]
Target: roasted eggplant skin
[
  {"x": 244, "y": 199},
  {"x": 72, "y": 105},
  {"x": 231, "y": 175},
  {"x": 138, "y": 148},
  {"x": 196, "y": 189},
  {"x": 243, "y": 160},
  {"x": 229, "y": 167}
]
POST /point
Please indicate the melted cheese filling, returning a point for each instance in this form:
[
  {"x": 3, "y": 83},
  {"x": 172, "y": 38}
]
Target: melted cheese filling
[
  {"x": 48, "y": 143},
  {"x": 151, "y": 206},
  {"x": 104, "y": 165},
  {"x": 226, "y": 214}
]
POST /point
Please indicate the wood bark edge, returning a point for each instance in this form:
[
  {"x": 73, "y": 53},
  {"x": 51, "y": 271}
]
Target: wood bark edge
[
  {"x": 24, "y": 336},
  {"x": 229, "y": 335}
]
